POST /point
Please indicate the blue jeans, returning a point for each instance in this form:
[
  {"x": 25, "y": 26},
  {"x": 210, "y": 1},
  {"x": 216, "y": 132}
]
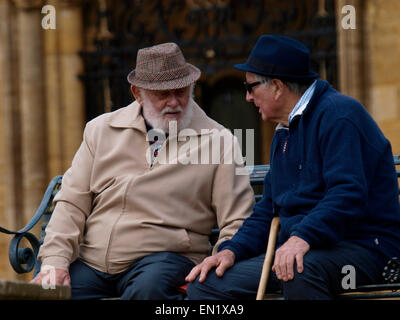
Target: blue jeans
[
  {"x": 321, "y": 278},
  {"x": 156, "y": 276}
]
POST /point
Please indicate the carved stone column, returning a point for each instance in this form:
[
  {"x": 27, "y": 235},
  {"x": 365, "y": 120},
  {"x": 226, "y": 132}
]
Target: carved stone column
[
  {"x": 70, "y": 30},
  {"x": 54, "y": 108},
  {"x": 12, "y": 172},
  {"x": 32, "y": 103},
  {"x": 383, "y": 65},
  {"x": 351, "y": 53},
  {"x": 369, "y": 62},
  {"x": 11, "y": 206}
]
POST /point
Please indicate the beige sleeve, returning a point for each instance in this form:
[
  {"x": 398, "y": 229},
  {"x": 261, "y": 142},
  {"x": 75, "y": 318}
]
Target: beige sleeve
[
  {"x": 72, "y": 207},
  {"x": 232, "y": 198}
]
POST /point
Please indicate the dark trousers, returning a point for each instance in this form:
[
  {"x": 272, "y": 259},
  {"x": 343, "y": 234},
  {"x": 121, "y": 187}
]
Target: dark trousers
[
  {"x": 154, "y": 277},
  {"x": 321, "y": 279}
]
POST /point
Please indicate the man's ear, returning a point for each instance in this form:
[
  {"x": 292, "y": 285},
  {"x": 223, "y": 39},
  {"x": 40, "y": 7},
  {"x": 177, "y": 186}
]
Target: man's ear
[
  {"x": 278, "y": 87},
  {"x": 136, "y": 94}
]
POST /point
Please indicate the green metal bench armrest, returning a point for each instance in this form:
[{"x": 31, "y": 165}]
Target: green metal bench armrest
[{"x": 24, "y": 259}]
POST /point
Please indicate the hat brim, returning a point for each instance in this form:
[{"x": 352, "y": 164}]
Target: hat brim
[
  {"x": 246, "y": 67},
  {"x": 193, "y": 76}
]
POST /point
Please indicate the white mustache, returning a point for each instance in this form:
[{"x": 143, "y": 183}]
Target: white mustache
[{"x": 170, "y": 109}]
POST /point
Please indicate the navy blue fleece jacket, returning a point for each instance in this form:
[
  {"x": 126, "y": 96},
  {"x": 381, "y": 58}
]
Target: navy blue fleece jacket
[{"x": 332, "y": 178}]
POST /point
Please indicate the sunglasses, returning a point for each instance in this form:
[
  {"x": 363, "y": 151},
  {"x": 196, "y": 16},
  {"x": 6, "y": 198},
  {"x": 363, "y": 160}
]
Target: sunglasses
[{"x": 250, "y": 86}]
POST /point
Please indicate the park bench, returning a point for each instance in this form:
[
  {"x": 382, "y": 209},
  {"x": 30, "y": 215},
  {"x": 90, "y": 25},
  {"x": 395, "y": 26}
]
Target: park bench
[{"x": 24, "y": 260}]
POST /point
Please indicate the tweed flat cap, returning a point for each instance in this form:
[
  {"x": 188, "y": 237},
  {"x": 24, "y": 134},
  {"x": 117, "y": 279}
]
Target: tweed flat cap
[{"x": 162, "y": 67}]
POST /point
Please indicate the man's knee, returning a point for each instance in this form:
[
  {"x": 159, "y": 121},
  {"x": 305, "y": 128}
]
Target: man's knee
[
  {"x": 150, "y": 287},
  {"x": 157, "y": 280},
  {"x": 311, "y": 283},
  {"x": 150, "y": 291},
  {"x": 194, "y": 291},
  {"x": 86, "y": 283},
  {"x": 210, "y": 289}
]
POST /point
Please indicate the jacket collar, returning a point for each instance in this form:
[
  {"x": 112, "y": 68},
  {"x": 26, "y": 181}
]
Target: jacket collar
[
  {"x": 200, "y": 121},
  {"x": 320, "y": 88},
  {"x": 128, "y": 117},
  {"x": 131, "y": 117},
  {"x": 303, "y": 102}
]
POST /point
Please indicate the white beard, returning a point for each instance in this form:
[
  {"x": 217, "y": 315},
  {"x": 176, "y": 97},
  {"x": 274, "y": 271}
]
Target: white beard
[{"x": 156, "y": 118}]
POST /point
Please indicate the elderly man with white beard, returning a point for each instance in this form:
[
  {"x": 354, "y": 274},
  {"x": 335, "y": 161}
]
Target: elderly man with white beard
[{"x": 128, "y": 225}]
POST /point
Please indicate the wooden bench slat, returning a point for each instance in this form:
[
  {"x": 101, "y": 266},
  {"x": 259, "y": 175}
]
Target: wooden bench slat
[{"x": 21, "y": 290}]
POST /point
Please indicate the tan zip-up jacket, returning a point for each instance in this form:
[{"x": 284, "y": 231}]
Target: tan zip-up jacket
[{"x": 114, "y": 206}]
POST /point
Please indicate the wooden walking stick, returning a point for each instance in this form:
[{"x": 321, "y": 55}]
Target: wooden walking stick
[{"x": 269, "y": 255}]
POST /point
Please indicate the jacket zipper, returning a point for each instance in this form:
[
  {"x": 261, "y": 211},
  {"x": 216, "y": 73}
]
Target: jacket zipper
[{"x": 107, "y": 262}]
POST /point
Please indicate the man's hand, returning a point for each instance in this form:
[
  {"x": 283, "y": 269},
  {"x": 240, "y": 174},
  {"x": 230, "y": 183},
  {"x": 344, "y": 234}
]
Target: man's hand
[
  {"x": 293, "y": 249},
  {"x": 222, "y": 261},
  {"x": 61, "y": 277}
]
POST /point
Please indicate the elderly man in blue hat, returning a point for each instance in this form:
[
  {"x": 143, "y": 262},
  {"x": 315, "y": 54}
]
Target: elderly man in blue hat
[{"x": 332, "y": 183}]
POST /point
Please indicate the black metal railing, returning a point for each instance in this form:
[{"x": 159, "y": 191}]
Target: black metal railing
[{"x": 214, "y": 35}]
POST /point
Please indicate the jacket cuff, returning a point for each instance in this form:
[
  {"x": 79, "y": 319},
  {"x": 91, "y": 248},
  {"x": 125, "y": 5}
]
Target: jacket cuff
[
  {"x": 57, "y": 262},
  {"x": 303, "y": 236},
  {"x": 230, "y": 246}
]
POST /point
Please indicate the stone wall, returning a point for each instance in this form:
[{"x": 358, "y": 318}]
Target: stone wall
[
  {"x": 382, "y": 28},
  {"x": 42, "y": 110},
  {"x": 369, "y": 64},
  {"x": 5, "y": 271}
]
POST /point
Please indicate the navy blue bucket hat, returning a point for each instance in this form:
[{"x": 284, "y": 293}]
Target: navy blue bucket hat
[{"x": 279, "y": 57}]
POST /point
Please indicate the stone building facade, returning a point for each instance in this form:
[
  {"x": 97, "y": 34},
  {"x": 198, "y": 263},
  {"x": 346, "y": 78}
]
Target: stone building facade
[{"x": 46, "y": 95}]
